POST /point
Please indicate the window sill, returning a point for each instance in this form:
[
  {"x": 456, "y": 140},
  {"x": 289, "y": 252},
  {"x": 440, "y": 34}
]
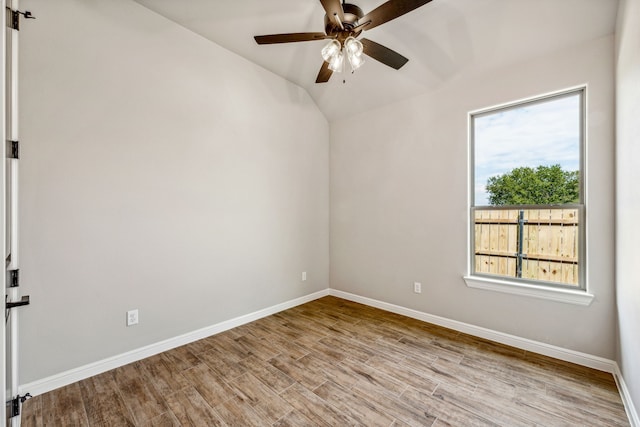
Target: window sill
[{"x": 562, "y": 295}]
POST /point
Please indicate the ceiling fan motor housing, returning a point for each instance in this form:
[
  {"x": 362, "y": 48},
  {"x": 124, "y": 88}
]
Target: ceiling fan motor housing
[{"x": 352, "y": 14}]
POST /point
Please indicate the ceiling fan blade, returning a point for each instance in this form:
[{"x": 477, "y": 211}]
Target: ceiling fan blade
[
  {"x": 390, "y": 10},
  {"x": 333, "y": 9},
  {"x": 290, "y": 38},
  {"x": 325, "y": 73},
  {"x": 383, "y": 54}
]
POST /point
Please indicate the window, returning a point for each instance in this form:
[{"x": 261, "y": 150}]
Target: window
[{"x": 527, "y": 203}]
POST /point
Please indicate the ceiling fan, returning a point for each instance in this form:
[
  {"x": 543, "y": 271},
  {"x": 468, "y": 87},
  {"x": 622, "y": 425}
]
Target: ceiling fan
[{"x": 343, "y": 24}]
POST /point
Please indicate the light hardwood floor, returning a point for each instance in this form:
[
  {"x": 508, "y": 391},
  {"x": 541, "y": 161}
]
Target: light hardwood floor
[{"x": 337, "y": 363}]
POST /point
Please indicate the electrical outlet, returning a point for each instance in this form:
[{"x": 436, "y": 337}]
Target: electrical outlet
[
  {"x": 132, "y": 317},
  {"x": 417, "y": 287},
  {"x": 304, "y": 276}
]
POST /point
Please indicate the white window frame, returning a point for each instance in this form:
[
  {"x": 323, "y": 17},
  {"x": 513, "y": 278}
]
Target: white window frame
[{"x": 532, "y": 288}]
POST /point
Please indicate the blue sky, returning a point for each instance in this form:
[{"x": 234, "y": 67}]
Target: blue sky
[{"x": 544, "y": 133}]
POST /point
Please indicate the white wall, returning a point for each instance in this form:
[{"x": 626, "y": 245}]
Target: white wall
[
  {"x": 159, "y": 172},
  {"x": 399, "y": 202},
  {"x": 628, "y": 193}
]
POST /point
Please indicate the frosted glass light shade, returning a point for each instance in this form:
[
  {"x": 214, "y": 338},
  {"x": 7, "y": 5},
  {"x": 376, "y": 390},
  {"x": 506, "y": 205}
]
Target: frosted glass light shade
[
  {"x": 330, "y": 50},
  {"x": 355, "y": 61},
  {"x": 336, "y": 63},
  {"x": 353, "y": 46}
]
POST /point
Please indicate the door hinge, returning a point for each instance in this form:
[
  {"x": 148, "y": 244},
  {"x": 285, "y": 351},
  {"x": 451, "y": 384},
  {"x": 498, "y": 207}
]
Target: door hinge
[
  {"x": 14, "y": 149},
  {"x": 15, "y": 403},
  {"x": 13, "y": 18},
  {"x": 14, "y": 278}
]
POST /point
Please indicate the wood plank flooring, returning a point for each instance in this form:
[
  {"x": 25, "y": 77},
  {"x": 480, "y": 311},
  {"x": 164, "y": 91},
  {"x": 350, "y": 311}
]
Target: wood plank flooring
[{"x": 332, "y": 362}]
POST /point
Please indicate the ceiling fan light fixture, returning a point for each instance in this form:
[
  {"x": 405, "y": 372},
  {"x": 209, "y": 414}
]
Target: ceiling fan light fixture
[{"x": 330, "y": 50}]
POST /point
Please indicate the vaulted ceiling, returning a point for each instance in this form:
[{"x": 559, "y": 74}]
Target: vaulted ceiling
[{"x": 444, "y": 40}]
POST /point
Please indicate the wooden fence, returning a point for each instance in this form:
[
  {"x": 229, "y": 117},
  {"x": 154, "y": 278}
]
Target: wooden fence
[{"x": 539, "y": 244}]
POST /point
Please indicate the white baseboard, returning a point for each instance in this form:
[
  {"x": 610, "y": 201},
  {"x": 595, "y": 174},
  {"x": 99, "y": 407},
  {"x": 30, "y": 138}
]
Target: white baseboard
[
  {"x": 577, "y": 357},
  {"x": 632, "y": 413},
  {"x": 65, "y": 378}
]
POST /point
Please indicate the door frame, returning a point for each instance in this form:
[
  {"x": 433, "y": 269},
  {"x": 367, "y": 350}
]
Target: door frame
[{"x": 3, "y": 128}]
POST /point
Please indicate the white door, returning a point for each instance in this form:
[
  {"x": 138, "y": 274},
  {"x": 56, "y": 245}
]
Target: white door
[{"x": 3, "y": 44}]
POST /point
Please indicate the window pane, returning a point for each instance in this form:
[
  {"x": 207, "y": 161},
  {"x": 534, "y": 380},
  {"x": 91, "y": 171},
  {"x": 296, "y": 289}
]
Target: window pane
[{"x": 539, "y": 136}]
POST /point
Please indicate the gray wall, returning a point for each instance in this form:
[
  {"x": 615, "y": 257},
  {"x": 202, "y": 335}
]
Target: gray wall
[
  {"x": 159, "y": 172},
  {"x": 628, "y": 194},
  {"x": 399, "y": 202}
]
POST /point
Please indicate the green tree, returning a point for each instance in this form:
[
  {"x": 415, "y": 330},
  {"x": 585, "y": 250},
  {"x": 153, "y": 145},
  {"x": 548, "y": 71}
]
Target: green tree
[{"x": 544, "y": 185}]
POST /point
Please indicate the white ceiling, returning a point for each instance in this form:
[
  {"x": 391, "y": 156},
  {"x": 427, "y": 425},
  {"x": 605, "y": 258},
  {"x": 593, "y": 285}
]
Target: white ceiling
[{"x": 443, "y": 40}]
